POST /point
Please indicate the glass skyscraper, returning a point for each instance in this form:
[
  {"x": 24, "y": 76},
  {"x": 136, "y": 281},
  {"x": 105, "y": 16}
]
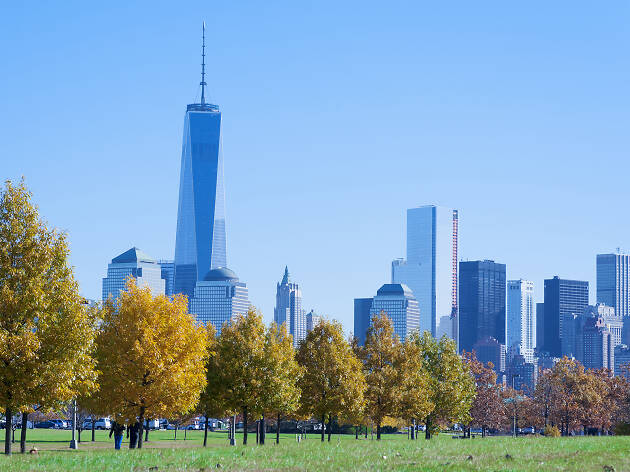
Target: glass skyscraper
[
  {"x": 481, "y": 303},
  {"x": 430, "y": 269},
  {"x": 136, "y": 264},
  {"x": 613, "y": 282},
  {"x": 200, "y": 238}
]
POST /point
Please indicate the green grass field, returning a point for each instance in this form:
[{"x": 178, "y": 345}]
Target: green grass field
[{"x": 394, "y": 452}]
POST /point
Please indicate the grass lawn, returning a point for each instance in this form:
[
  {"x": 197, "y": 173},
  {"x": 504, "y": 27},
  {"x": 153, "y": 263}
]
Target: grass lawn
[{"x": 394, "y": 452}]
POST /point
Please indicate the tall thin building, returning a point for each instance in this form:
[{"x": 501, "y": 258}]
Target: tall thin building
[
  {"x": 362, "y": 308},
  {"x": 200, "y": 239},
  {"x": 289, "y": 308},
  {"x": 430, "y": 269},
  {"x": 481, "y": 303},
  {"x": 521, "y": 320},
  {"x": 613, "y": 282},
  {"x": 563, "y": 298},
  {"x": 540, "y": 325}
]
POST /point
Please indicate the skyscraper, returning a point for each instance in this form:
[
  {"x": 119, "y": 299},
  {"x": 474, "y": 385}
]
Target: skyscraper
[
  {"x": 289, "y": 308},
  {"x": 481, "y": 303},
  {"x": 312, "y": 320},
  {"x": 613, "y": 282},
  {"x": 562, "y": 299},
  {"x": 398, "y": 302},
  {"x": 219, "y": 297},
  {"x": 430, "y": 269},
  {"x": 200, "y": 237},
  {"x": 362, "y": 308},
  {"x": 540, "y": 325},
  {"x": 521, "y": 320},
  {"x": 136, "y": 264},
  {"x": 168, "y": 274}
]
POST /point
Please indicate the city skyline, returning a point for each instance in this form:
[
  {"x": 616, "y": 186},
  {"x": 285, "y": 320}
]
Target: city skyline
[{"x": 137, "y": 132}]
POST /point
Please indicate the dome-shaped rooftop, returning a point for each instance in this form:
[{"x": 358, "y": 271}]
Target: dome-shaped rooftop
[{"x": 220, "y": 274}]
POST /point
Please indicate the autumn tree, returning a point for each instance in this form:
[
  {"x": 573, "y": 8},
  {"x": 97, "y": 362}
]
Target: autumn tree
[
  {"x": 241, "y": 357},
  {"x": 151, "y": 356},
  {"x": 282, "y": 374},
  {"x": 333, "y": 381},
  {"x": 46, "y": 334},
  {"x": 381, "y": 359},
  {"x": 487, "y": 409},
  {"x": 415, "y": 399},
  {"x": 451, "y": 385}
]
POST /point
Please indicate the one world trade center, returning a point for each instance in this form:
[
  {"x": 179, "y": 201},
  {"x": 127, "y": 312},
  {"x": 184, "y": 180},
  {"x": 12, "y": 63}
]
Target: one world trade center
[{"x": 200, "y": 238}]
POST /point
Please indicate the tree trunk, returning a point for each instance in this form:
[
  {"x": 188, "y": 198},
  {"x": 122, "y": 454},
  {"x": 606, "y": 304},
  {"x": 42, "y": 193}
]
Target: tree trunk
[
  {"x": 427, "y": 432},
  {"x": 140, "y": 426},
  {"x": 329, "y": 426},
  {"x": 366, "y": 431},
  {"x": 245, "y": 426},
  {"x": 7, "y": 431},
  {"x": 79, "y": 435},
  {"x": 323, "y": 426},
  {"x": 413, "y": 428},
  {"x": 93, "y": 429},
  {"x": 262, "y": 430},
  {"x": 205, "y": 432},
  {"x": 146, "y": 434},
  {"x": 257, "y": 431},
  {"x": 356, "y": 432},
  {"x": 278, "y": 430},
  {"x": 378, "y": 430},
  {"x": 23, "y": 434}
]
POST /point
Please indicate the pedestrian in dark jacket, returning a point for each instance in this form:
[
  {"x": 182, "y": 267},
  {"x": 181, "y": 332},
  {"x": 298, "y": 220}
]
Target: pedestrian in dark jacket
[
  {"x": 117, "y": 430},
  {"x": 134, "y": 430}
]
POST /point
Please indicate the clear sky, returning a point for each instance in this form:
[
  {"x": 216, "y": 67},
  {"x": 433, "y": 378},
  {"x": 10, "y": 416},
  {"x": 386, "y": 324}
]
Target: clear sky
[{"x": 337, "y": 116}]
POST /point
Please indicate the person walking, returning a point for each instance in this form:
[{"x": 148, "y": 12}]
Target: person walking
[
  {"x": 117, "y": 430},
  {"x": 133, "y": 435}
]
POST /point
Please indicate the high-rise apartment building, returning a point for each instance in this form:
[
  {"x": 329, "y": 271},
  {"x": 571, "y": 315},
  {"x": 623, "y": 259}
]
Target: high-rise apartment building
[
  {"x": 521, "y": 320},
  {"x": 613, "y": 282},
  {"x": 135, "y": 264},
  {"x": 289, "y": 308},
  {"x": 481, "y": 302},
  {"x": 430, "y": 269},
  {"x": 219, "y": 298},
  {"x": 562, "y": 298},
  {"x": 200, "y": 238}
]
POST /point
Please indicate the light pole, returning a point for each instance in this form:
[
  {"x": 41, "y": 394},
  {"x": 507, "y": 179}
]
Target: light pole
[
  {"x": 514, "y": 400},
  {"x": 73, "y": 442}
]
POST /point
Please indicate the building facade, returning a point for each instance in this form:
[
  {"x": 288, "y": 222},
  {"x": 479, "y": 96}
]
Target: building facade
[
  {"x": 289, "y": 308},
  {"x": 540, "y": 325},
  {"x": 168, "y": 274},
  {"x": 482, "y": 296},
  {"x": 398, "y": 302},
  {"x": 219, "y": 298},
  {"x": 430, "y": 269},
  {"x": 521, "y": 319},
  {"x": 598, "y": 350},
  {"x": 489, "y": 349},
  {"x": 362, "y": 308},
  {"x": 622, "y": 360},
  {"x": 613, "y": 282},
  {"x": 132, "y": 264},
  {"x": 200, "y": 239},
  {"x": 562, "y": 297},
  {"x": 312, "y": 320}
]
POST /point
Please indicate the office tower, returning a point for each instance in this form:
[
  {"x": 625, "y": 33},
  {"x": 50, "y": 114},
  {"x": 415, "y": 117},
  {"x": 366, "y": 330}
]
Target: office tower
[
  {"x": 289, "y": 308},
  {"x": 136, "y": 264},
  {"x": 168, "y": 274},
  {"x": 521, "y": 320},
  {"x": 489, "y": 349},
  {"x": 540, "y": 325},
  {"x": 481, "y": 302},
  {"x": 609, "y": 319},
  {"x": 622, "y": 360},
  {"x": 430, "y": 269},
  {"x": 219, "y": 298},
  {"x": 598, "y": 350},
  {"x": 312, "y": 320},
  {"x": 362, "y": 308},
  {"x": 521, "y": 374},
  {"x": 200, "y": 237},
  {"x": 398, "y": 302},
  {"x": 613, "y": 282},
  {"x": 562, "y": 297}
]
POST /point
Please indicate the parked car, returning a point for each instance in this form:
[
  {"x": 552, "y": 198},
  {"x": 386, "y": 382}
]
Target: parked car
[
  {"x": 61, "y": 424},
  {"x": 49, "y": 424},
  {"x": 102, "y": 423}
]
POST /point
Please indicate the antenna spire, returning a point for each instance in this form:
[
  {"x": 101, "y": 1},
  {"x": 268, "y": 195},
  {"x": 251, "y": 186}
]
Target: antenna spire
[{"x": 203, "y": 64}]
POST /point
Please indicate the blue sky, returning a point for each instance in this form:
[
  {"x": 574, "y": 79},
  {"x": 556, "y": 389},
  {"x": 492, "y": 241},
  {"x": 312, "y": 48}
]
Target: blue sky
[{"x": 337, "y": 116}]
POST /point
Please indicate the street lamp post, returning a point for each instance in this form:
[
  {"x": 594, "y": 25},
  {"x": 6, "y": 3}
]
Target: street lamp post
[
  {"x": 514, "y": 400},
  {"x": 73, "y": 442}
]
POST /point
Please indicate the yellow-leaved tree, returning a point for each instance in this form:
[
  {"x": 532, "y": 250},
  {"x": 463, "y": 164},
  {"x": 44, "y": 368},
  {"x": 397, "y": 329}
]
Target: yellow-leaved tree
[
  {"x": 333, "y": 381},
  {"x": 381, "y": 365},
  {"x": 46, "y": 332},
  {"x": 151, "y": 357}
]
